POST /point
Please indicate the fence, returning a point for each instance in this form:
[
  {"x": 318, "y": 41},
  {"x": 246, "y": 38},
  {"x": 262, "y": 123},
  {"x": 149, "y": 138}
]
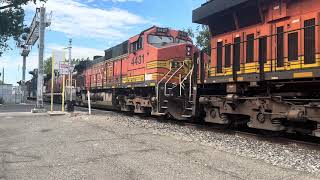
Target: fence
[
  {"x": 10, "y": 94},
  {"x": 6, "y": 96}
]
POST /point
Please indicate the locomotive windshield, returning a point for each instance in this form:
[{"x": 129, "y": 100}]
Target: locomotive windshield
[{"x": 160, "y": 40}]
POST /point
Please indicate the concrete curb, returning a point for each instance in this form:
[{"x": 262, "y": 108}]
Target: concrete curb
[
  {"x": 22, "y": 114},
  {"x": 56, "y": 113}
]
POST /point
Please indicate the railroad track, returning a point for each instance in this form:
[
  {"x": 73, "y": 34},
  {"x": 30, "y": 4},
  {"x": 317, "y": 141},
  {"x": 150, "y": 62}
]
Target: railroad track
[
  {"x": 284, "y": 138},
  {"x": 279, "y": 138}
]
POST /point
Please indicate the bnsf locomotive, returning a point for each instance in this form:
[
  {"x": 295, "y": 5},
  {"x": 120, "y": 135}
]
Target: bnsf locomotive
[
  {"x": 264, "y": 69},
  {"x": 265, "y": 64},
  {"x": 149, "y": 73}
]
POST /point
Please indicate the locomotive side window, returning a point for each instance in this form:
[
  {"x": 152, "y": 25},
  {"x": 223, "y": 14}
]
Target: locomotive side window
[
  {"x": 137, "y": 45},
  {"x": 236, "y": 54},
  {"x": 250, "y": 48},
  {"x": 280, "y": 47},
  {"x": 263, "y": 49},
  {"x": 219, "y": 57},
  {"x": 227, "y": 55},
  {"x": 293, "y": 46},
  {"x": 309, "y": 41}
]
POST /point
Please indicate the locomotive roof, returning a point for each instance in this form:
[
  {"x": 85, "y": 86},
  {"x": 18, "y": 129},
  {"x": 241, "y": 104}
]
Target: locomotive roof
[
  {"x": 118, "y": 51},
  {"x": 214, "y": 7}
]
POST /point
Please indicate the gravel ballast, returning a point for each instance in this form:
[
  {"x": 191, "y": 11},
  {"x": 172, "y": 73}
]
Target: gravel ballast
[{"x": 291, "y": 155}]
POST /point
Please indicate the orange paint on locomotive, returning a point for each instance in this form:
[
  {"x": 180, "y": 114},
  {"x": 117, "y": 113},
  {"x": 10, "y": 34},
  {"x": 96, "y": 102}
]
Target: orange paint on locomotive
[{"x": 288, "y": 18}]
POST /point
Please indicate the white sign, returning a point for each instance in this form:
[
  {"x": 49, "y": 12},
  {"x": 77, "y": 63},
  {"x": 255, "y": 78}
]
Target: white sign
[
  {"x": 58, "y": 58},
  {"x": 64, "y": 69}
]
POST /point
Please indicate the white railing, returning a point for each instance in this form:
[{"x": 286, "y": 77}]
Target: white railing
[
  {"x": 165, "y": 85},
  {"x": 184, "y": 79}
]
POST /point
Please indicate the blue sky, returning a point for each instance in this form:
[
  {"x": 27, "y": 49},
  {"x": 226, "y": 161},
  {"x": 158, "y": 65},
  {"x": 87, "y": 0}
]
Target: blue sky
[{"x": 95, "y": 25}]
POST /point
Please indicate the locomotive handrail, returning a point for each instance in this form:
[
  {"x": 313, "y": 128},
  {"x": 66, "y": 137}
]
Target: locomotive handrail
[
  {"x": 273, "y": 66},
  {"x": 165, "y": 85},
  {"x": 157, "y": 88},
  {"x": 185, "y": 78},
  {"x": 190, "y": 85}
]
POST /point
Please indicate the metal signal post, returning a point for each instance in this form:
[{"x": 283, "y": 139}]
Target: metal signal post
[
  {"x": 69, "y": 98},
  {"x": 37, "y": 31}
]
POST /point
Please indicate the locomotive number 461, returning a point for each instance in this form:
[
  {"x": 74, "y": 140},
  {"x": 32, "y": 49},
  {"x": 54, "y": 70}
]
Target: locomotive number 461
[{"x": 137, "y": 60}]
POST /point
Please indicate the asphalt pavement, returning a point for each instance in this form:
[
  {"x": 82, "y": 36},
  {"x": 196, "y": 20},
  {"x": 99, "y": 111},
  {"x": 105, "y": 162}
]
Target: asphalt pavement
[{"x": 99, "y": 147}]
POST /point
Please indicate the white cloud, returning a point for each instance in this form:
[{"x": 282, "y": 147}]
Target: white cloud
[
  {"x": 78, "y": 52},
  {"x": 77, "y": 19},
  {"x": 12, "y": 62}
]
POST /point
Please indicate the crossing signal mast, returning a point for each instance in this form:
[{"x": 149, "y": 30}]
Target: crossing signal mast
[{"x": 37, "y": 32}]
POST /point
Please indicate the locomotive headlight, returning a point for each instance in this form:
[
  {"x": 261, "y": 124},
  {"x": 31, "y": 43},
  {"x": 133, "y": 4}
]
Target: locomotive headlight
[{"x": 188, "y": 50}]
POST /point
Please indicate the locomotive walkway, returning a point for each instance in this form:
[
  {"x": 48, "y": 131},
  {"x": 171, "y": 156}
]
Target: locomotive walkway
[{"x": 99, "y": 147}]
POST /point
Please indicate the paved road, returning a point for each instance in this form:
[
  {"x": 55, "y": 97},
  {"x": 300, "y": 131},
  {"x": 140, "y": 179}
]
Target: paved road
[
  {"x": 98, "y": 147},
  {"x": 30, "y": 105}
]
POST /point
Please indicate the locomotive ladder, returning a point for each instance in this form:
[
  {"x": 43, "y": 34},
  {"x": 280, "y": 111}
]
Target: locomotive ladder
[
  {"x": 165, "y": 85},
  {"x": 187, "y": 107},
  {"x": 171, "y": 73},
  {"x": 182, "y": 84}
]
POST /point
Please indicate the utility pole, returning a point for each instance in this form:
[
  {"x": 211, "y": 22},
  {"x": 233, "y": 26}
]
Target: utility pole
[
  {"x": 24, "y": 53},
  {"x": 70, "y": 70},
  {"x": 24, "y": 68},
  {"x": 37, "y": 32},
  {"x": 70, "y": 89},
  {"x": 42, "y": 26}
]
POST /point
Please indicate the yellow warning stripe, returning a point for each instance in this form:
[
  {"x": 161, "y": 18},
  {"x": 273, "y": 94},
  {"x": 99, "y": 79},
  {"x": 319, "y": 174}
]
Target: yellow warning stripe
[{"x": 303, "y": 75}]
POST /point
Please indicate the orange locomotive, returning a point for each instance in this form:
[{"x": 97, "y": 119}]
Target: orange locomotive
[
  {"x": 265, "y": 64},
  {"x": 149, "y": 73}
]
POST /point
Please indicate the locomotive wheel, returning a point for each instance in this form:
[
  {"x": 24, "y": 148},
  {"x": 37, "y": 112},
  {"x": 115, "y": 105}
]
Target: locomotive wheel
[{"x": 228, "y": 125}]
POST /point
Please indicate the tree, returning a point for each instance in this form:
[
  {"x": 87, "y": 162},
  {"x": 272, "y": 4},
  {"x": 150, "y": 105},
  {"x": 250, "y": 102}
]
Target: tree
[
  {"x": 47, "y": 66},
  {"x": 202, "y": 36},
  {"x": 82, "y": 65},
  {"x": 11, "y": 20}
]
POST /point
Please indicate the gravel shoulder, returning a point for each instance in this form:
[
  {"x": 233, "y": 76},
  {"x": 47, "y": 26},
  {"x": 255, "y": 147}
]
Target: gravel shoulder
[{"x": 114, "y": 146}]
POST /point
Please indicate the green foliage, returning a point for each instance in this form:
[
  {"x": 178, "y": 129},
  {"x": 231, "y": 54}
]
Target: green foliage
[
  {"x": 202, "y": 36},
  {"x": 47, "y": 66},
  {"x": 11, "y": 21},
  {"x": 82, "y": 65}
]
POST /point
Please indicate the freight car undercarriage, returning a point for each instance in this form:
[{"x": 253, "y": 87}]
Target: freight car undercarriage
[{"x": 275, "y": 107}]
